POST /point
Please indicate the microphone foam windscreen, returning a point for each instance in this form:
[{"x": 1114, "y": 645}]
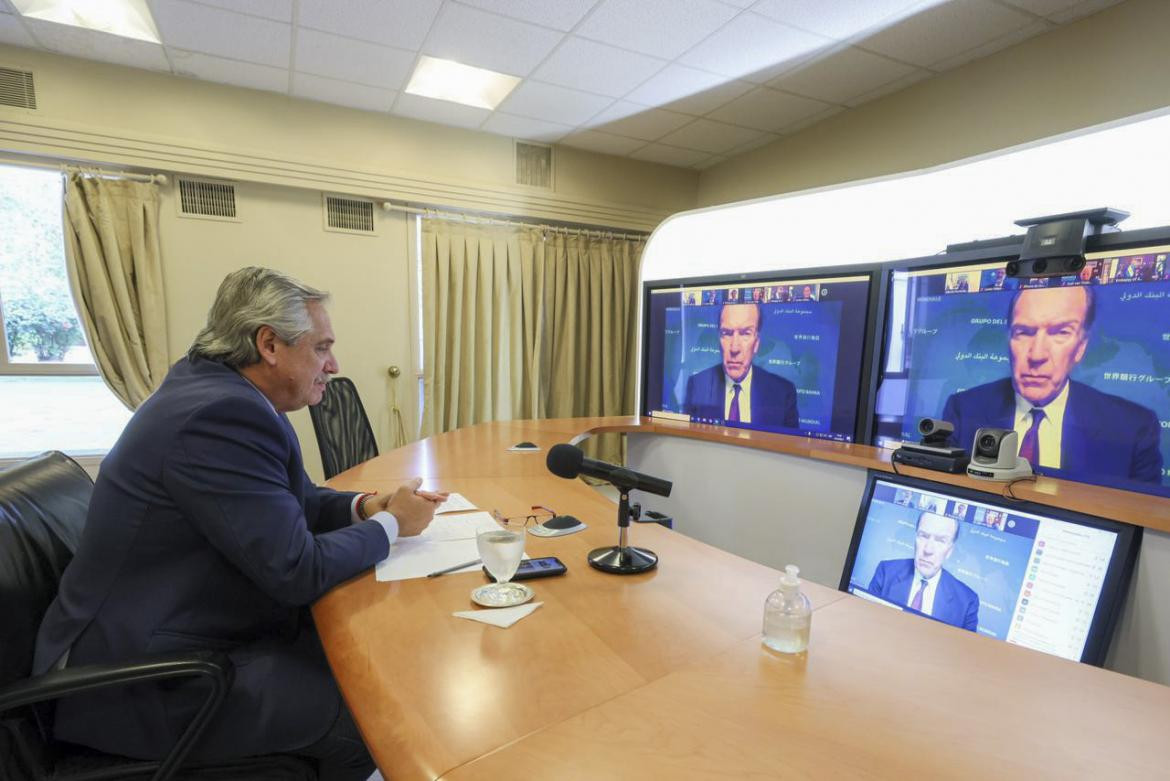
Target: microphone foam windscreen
[{"x": 565, "y": 460}]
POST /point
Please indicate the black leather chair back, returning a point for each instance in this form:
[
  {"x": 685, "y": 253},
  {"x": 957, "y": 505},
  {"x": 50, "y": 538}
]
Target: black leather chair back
[
  {"x": 343, "y": 431},
  {"x": 43, "y": 503}
]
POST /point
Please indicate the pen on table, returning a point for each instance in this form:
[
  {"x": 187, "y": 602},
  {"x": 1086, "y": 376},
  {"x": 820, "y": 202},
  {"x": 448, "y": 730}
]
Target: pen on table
[{"x": 452, "y": 569}]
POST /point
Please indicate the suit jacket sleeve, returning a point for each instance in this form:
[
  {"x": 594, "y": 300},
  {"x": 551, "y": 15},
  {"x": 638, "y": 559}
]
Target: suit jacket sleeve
[
  {"x": 227, "y": 472},
  {"x": 791, "y": 418},
  {"x": 689, "y": 400},
  {"x": 971, "y": 616},
  {"x": 326, "y": 509},
  {"x": 951, "y": 414},
  {"x": 1147, "y": 454},
  {"x": 877, "y": 584}
]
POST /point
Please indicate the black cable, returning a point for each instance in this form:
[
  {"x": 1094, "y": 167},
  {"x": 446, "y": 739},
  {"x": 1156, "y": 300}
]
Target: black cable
[{"x": 1007, "y": 489}]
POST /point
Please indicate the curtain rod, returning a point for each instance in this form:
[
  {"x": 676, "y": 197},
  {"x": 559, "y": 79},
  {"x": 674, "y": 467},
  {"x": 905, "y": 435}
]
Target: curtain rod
[
  {"x": 477, "y": 219},
  {"x": 71, "y": 168},
  {"x": 149, "y": 178}
]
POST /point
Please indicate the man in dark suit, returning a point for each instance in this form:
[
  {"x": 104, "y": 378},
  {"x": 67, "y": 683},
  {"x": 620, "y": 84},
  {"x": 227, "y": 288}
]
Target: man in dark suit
[
  {"x": 204, "y": 532},
  {"x": 735, "y": 391},
  {"x": 921, "y": 583},
  {"x": 1062, "y": 424}
]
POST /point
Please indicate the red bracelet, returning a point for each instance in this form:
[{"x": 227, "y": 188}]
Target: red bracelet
[{"x": 361, "y": 506}]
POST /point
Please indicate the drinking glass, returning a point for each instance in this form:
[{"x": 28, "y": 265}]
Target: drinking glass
[{"x": 501, "y": 551}]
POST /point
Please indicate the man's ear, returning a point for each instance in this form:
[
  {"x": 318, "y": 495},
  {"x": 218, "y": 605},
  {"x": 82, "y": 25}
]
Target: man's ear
[{"x": 266, "y": 342}]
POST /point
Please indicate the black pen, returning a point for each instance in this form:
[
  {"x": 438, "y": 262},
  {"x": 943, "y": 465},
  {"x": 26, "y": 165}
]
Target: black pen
[{"x": 452, "y": 569}]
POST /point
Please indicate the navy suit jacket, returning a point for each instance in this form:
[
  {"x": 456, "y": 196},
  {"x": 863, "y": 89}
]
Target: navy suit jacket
[
  {"x": 773, "y": 397},
  {"x": 204, "y": 532},
  {"x": 1103, "y": 435},
  {"x": 955, "y": 603}
]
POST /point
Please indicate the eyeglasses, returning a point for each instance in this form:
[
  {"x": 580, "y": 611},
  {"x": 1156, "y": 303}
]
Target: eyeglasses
[{"x": 524, "y": 520}]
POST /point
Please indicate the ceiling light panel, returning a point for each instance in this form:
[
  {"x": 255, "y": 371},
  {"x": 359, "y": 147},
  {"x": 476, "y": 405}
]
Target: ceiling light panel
[
  {"x": 458, "y": 83},
  {"x": 125, "y": 18}
]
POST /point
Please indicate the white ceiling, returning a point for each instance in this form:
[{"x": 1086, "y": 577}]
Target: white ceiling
[{"x": 687, "y": 83}]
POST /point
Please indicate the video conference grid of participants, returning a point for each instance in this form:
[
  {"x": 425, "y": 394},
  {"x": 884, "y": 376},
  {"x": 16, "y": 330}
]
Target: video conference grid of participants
[
  {"x": 1091, "y": 351},
  {"x": 1022, "y": 578},
  {"x": 781, "y": 355}
]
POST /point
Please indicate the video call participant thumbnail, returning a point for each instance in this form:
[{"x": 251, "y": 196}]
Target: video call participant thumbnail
[
  {"x": 735, "y": 391},
  {"x": 1062, "y": 424},
  {"x": 921, "y": 583}
]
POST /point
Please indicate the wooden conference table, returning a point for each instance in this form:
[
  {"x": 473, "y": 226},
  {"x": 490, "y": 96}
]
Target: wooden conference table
[{"x": 662, "y": 675}]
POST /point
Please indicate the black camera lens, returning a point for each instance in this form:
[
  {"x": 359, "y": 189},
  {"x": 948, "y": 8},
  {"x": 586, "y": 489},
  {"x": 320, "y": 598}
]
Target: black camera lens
[
  {"x": 1039, "y": 266},
  {"x": 1076, "y": 264},
  {"x": 987, "y": 444},
  {"x": 925, "y": 426},
  {"x": 1013, "y": 268}
]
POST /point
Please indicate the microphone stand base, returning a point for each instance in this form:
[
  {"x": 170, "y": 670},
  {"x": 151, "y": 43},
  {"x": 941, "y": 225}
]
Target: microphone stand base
[{"x": 622, "y": 560}]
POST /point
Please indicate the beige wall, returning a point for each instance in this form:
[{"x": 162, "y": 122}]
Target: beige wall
[
  {"x": 283, "y": 153},
  {"x": 1105, "y": 67},
  {"x": 116, "y": 115},
  {"x": 281, "y": 227}
]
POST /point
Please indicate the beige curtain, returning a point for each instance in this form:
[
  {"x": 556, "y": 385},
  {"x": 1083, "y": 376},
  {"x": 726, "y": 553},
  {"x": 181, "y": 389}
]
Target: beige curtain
[
  {"x": 115, "y": 270},
  {"x": 520, "y": 322}
]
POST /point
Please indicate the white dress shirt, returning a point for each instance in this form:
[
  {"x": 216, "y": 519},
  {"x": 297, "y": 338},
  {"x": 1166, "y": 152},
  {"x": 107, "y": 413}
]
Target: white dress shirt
[
  {"x": 1051, "y": 426},
  {"x": 745, "y": 397}
]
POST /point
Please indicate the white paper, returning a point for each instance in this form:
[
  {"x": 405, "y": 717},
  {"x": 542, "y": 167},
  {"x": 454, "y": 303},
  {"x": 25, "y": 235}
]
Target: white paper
[
  {"x": 456, "y": 503},
  {"x": 502, "y": 617},
  {"x": 448, "y": 541}
]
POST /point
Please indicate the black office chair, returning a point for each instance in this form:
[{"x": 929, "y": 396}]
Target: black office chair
[
  {"x": 343, "y": 431},
  {"x": 43, "y": 503}
]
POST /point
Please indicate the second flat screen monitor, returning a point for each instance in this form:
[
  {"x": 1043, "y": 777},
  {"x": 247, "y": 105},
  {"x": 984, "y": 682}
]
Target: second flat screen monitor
[
  {"x": 1083, "y": 362},
  {"x": 779, "y": 354}
]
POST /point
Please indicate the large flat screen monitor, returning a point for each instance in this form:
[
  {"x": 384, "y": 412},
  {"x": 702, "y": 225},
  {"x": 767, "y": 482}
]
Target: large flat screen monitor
[
  {"x": 1079, "y": 366},
  {"x": 779, "y": 353},
  {"x": 1048, "y": 579}
]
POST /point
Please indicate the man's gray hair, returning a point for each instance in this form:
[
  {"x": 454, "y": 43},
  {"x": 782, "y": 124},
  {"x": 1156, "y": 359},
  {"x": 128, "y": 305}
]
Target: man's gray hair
[{"x": 246, "y": 300}]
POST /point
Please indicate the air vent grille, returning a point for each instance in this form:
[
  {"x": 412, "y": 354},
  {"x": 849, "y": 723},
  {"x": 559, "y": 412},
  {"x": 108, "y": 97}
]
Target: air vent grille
[
  {"x": 207, "y": 199},
  {"x": 16, "y": 88},
  {"x": 534, "y": 165},
  {"x": 349, "y": 214}
]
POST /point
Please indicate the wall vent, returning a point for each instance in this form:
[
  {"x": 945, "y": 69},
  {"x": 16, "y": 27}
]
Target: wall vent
[
  {"x": 213, "y": 200},
  {"x": 534, "y": 165},
  {"x": 16, "y": 88},
  {"x": 349, "y": 215}
]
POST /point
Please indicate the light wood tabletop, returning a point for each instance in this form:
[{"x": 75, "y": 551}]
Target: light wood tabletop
[{"x": 662, "y": 675}]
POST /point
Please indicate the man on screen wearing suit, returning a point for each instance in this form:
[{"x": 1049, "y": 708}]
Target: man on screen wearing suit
[
  {"x": 735, "y": 391},
  {"x": 921, "y": 583},
  {"x": 205, "y": 533},
  {"x": 1062, "y": 424}
]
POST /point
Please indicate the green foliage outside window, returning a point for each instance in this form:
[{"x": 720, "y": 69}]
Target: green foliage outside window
[{"x": 39, "y": 314}]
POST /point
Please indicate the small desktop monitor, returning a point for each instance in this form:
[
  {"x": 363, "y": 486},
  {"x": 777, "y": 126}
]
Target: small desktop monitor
[
  {"x": 1048, "y": 579},
  {"x": 770, "y": 353},
  {"x": 1081, "y": 361}
]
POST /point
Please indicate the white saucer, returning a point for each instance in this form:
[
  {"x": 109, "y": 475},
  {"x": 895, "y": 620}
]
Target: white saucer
[{"x": 502, "y": 594}]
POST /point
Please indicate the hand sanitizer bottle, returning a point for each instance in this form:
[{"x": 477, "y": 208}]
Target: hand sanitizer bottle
[{"x": 787, "y": 615}]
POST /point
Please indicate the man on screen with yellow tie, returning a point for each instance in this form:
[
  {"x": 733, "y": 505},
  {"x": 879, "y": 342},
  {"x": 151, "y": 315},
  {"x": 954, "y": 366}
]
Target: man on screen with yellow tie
[
  {"x": 1062, "y": 424},
  {"x": 735, "y": 391},
  {"x": 921, "y": 583}
]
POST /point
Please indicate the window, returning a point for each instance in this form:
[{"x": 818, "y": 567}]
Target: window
[{"x": 51, "y": 397}]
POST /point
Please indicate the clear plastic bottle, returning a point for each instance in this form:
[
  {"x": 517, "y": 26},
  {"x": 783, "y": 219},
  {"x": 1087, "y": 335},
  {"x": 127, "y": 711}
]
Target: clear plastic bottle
[{"x": 787, "y": 615}]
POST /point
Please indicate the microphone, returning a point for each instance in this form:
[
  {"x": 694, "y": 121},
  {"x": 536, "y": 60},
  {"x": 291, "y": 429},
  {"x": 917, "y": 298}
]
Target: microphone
[{"x": 568, "y": 461}]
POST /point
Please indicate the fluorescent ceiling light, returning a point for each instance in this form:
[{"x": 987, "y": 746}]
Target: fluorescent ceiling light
[
  {"x": 127, "y": 18},
  {"x": 448, "y": 80}
]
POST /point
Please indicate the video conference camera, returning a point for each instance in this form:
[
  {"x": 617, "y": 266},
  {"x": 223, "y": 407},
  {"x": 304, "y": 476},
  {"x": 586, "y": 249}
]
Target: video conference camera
[
  {"x": 993, "y": 456},
  {"x": 1054, "y": 246},
  {"x": 935, "y": 431}
]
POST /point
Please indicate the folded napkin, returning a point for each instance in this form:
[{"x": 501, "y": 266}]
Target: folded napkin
[{"x": 502, "y": 617}]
